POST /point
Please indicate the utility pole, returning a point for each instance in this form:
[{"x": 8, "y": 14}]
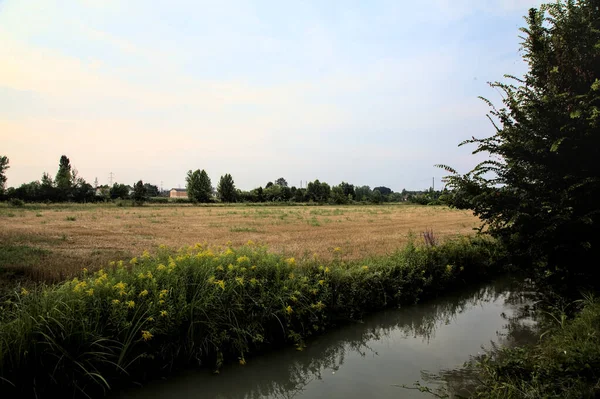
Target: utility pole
[
  {"x": 433, "y": 183},
  {"x": 110, "y": 178},
  {"x": 161, "y": 189}
]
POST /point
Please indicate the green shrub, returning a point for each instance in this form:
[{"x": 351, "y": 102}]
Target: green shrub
[
  {"x": 16, "y": 202},
  {"x": 200, "y": 305}
]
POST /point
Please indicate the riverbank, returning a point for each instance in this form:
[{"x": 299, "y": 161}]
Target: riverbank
[
  {"x": 140, "y": 319},
  {"x": 565, "y": 363}
]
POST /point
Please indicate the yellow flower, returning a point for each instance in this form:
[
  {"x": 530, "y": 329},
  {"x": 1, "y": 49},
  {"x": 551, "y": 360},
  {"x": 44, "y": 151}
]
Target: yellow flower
[
  {"x": 146, "y": 335},
  {"x": 111, "y": 263},
  {"x": 149, "y": 274},
  {"x": 314, "y": 291},
  {"x": 228, "y": 252},
  {"x": 144, "y": 293},
  {"x": 240, "y": 280},
  {"x": 161, "y": 302},
  {"x": 230, "y": 267},
  {"x": 253, "y": 281},
  {"x": 122, "y": 293},
  {"x": 321, "y": 282},
  {"x": 462, "y": 268},
  {"x": 327, "y": 270},
  {"x": 365, "y": 267},
  {"x": 141, "y": 276},
  {"x": 90, "y": 292},
  {"x": 85, "y": 269},
  {"x": 120, "y": 286},
  {"x": 220, "y": 268},
  {"x": 146, "y": 254},
  {"x": 291, "y": 261},
  {"x": 80, "y": 286},
  {"x": 150, "y": 318},
  {"x": 220, "y": 283},
  {"x": 24, "y": 292},
  {"x": 163, "y": 293},
  {"x": 319, "y": 305},
  {"x": 120, "y": 263},
  {"x": 253, "y": 268},
  {"x": 291, "y": 276},
  {"x": 161, "y": 267},
  {"x": 131, "y": 304},
  {"x": 133, "y": 261},
  {"x": 337, "y": 249},
  {"x": 163, "y": 313},
  {"x": 250, "y": 243},
  {"x": 116, "y": 301},
  {"x": 449, "y": 268},
  {"x": 243, "y": 259},
  {"x": 242, "y": 361},
  {"x": 293, "y": 299},
  {"x": 289, "y": 309}
]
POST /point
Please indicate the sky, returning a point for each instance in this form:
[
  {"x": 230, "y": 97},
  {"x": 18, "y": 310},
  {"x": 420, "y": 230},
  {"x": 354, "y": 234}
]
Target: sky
[{"x": 372, "y": 92}]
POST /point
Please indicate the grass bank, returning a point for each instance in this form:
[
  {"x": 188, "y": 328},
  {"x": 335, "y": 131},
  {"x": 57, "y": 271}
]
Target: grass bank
[
  {"x": 565, "y": 363},
  {"x": 138, "y": 319}
]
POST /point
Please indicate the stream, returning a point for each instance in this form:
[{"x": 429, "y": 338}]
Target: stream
[{"x": 428, "y": 342}]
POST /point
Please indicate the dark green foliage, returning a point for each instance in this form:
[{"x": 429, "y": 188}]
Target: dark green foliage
[
  {"x": 119, "y": 191},
  {"x": 384, "y": 190},
  {"x": 63, "y": 179},
  {"x": 151, "y": 190},
  {"x": 337, "y": 195},
  {"x": 564, "y": 364},
  {"x": 140, "y": 193},
  {"x": 226, "y": 189},
  {"x": 199, "y": 186},
  {"x": 363, "y": 193},
  {"x": 376, "y": 197},
  {"x": 281, "y": 182},
  {"x": 3, "y": 167},
  {"x": 538, "y": 193},
  {"x": 317, "y": 191}
]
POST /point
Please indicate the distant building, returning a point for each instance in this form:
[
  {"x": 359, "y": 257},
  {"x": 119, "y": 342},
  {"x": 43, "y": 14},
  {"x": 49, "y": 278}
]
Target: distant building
[{"x": 178, "y": 193}]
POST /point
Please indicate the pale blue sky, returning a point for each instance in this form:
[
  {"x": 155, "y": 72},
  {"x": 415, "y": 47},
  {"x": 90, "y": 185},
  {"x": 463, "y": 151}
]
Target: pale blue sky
[{"x": 370, "y": 92}]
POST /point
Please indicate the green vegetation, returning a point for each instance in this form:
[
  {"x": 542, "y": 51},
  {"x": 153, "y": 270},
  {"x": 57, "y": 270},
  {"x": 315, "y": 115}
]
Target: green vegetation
[
  {"x": 537, "y": 192},
  {"x": 537, "y": 195},
  {"x": 226, "y": 189},
  {"x": 198, "y": 185},
  {"x": 566, "y": 364},
  {"x": 200, "y": 305}
]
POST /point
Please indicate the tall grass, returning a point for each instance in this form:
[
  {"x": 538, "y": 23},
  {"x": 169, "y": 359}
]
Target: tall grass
[{"x": 203, "y": 306}]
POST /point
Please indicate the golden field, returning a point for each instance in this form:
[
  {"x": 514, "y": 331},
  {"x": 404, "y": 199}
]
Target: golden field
[{"x": 51, "y": 242}]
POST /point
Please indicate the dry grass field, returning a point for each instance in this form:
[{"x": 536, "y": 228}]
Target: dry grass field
[{"x": 56, "y": 241}]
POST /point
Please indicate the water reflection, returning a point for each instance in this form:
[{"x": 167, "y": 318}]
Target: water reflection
[{"x": 370, "y": 358}]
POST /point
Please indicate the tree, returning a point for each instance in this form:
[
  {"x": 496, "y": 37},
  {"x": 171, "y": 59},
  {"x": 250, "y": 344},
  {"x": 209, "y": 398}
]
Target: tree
[
  {"x": 376, "y": 196},
  {"x": 317, "y": 191},
  {"x": 3, "y": 167},
  {"x": 338, "y": 196},
  {"x": 199, "y": 187},
  {"x": 151, "y": 190},
  {"x": 348, "y": 190},
  {"x": 140, "y": 193},
  {"x": 384, "y": 190},
  {"x": 119, "y": 191},
  {"x": 63, "y": 178},
  {"x": 362, "y": 193},
  {"x": 226, "y": 188},
  {"x": 281, "y": 182},
  {"x": 538, "y": 191}
]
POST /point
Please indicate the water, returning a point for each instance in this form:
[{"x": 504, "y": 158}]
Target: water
[{"x": 372, "y": 358}]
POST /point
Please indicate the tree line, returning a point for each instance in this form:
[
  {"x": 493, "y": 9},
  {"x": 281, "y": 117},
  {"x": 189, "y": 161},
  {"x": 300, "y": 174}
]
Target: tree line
[
  {"x": 68, "y": 186},
  {"x": 199, "y": 189}
]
